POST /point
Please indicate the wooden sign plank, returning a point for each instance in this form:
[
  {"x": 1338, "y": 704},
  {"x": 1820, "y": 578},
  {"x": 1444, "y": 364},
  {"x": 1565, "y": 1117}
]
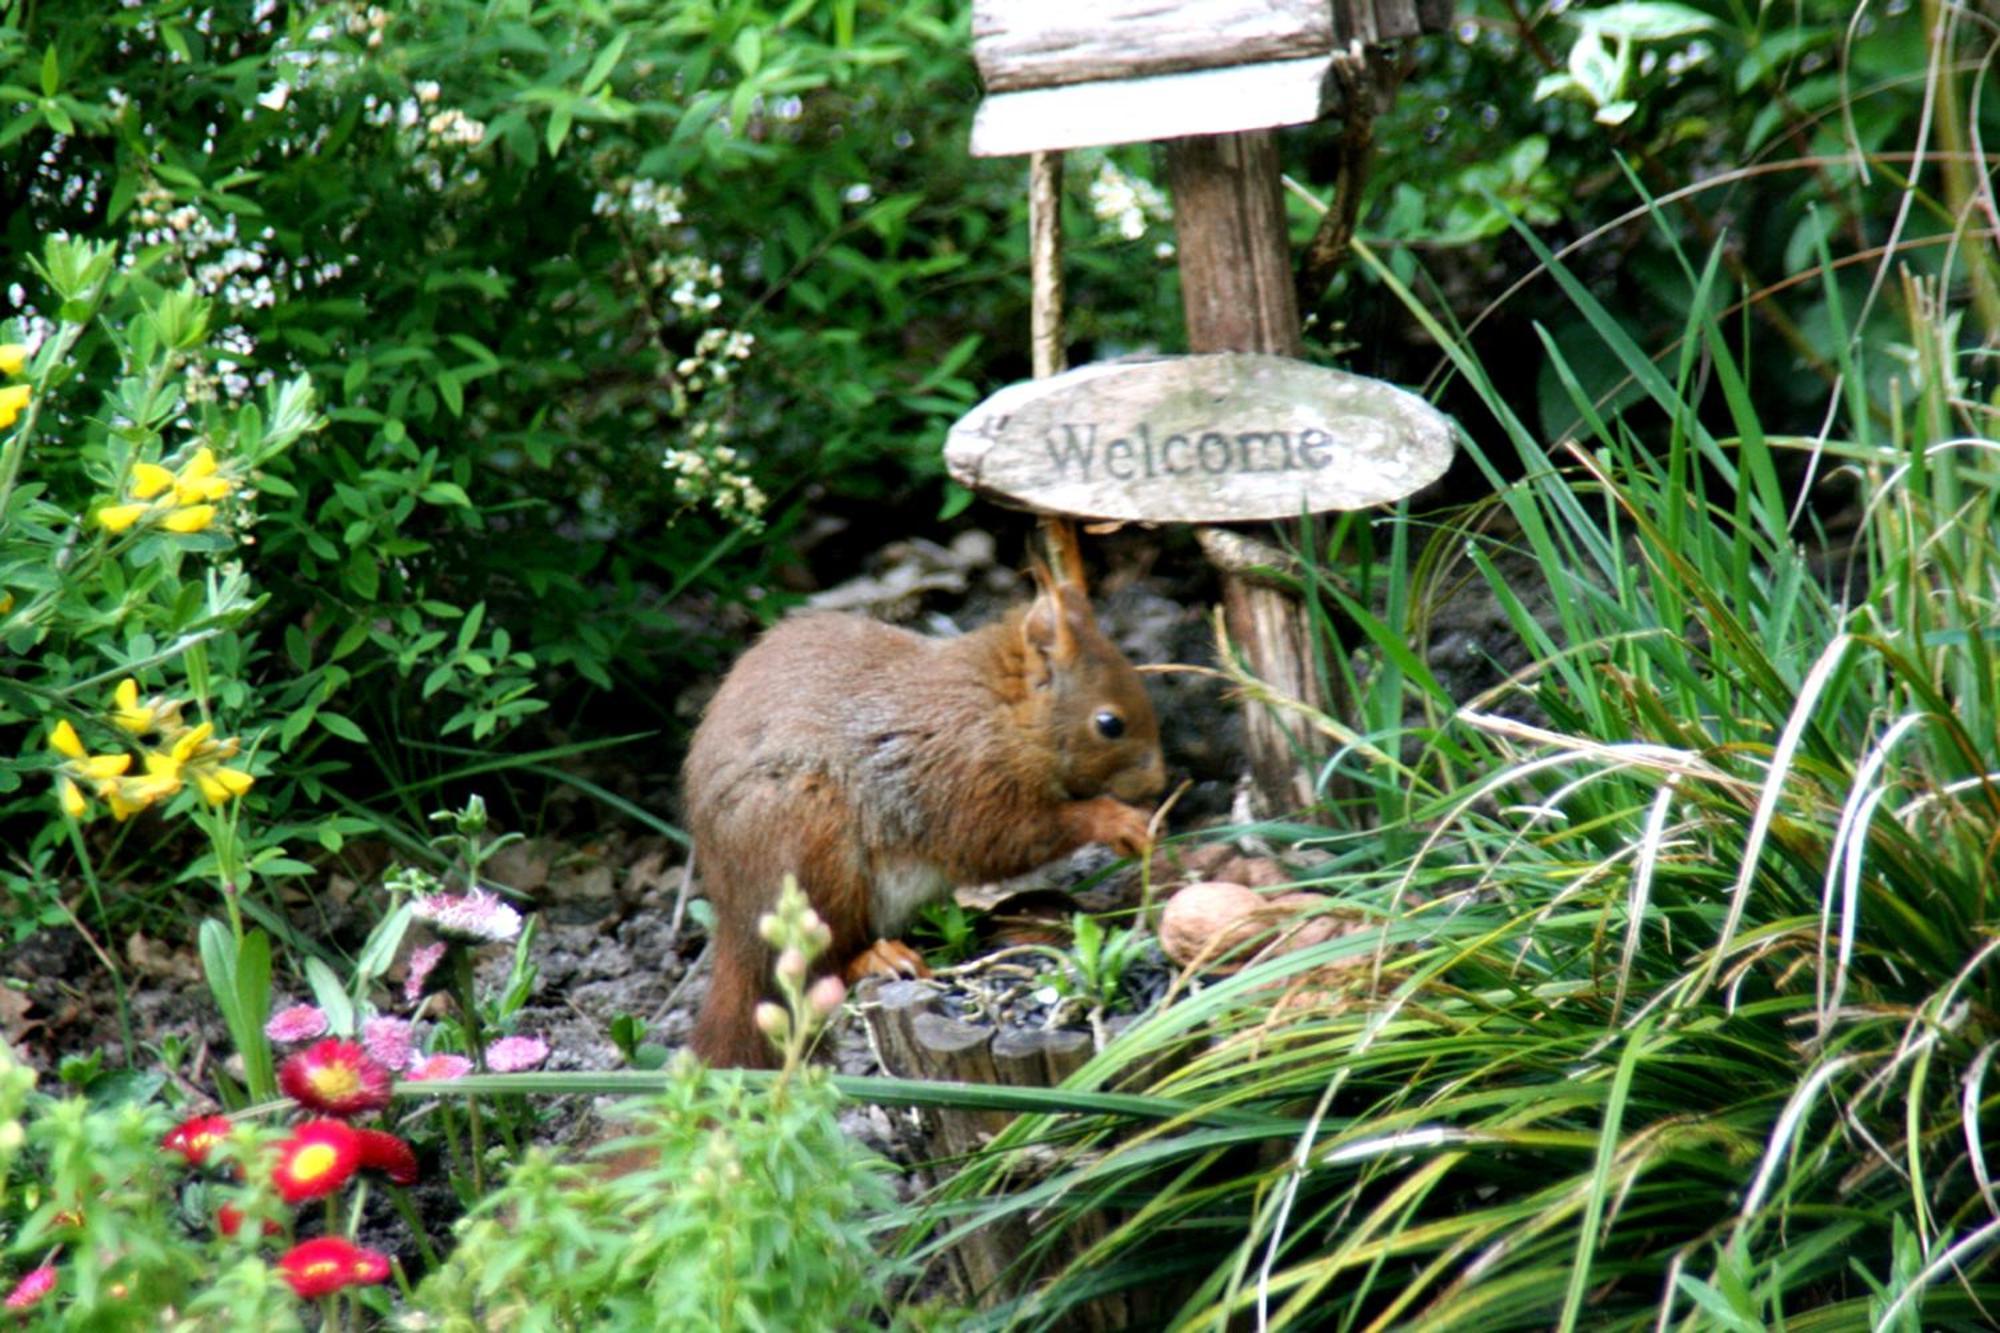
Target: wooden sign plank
[
  {"x": 1166, "y": 106},
  {"x": 1200, "y": 439},
  {"x": 1042, "y": 43}
]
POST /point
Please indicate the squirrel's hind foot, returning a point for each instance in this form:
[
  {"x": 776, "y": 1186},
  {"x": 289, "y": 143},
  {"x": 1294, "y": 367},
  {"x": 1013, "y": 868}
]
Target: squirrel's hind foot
[{"x": 887, "y": 958}]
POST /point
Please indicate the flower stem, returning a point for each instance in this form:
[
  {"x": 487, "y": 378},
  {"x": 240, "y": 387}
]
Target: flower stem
[
  {"x": 468, "y": 1008},
  {"x": 401, "y": 1198}
]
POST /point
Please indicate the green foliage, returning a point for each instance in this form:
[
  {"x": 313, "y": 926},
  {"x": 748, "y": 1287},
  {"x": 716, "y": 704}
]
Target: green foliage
[
  {"x": 1097, "y": 963},
  {"x": 735, "y": 1203},
  {"x": 126, "y": 501},
  {"x": 946, "y": 931},
  {"x": 749, "y": 1211},
  {"x": 737, "y": 280},
  {"x": 83, "y": 1187}
]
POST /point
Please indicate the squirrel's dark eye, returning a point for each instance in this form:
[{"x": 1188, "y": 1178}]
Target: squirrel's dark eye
[{"x": 1109, "y": 724}]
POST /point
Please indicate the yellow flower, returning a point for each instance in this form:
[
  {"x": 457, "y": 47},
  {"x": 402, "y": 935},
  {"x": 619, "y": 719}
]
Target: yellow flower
[
  {"x": 117, "y": 518},
  {"x": 12, "y": 357},
  {"x": 122, "y": 809},
  {"x": 130, "y": 715},
  {"x": 12, "y": 399},
  {"x": 102, "y": 767},
  {"x": 219, "y": 784},
  {"x": 72, "y": 800},
  {"x": 65, "y": 740},
  {"x": 163, "y": 778},
  {"x": 193, "y": 518},
  {"x": 191, "y": 741},
  {"x": 197, "y": 479},
  {"x": 149, "y": 479}
]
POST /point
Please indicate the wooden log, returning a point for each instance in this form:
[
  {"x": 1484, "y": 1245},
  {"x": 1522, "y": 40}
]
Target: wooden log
[
  {"x": 1046, "y": 43},
  {"x": 1235, "y": 254},
  {"x": 1237, "y": 293}
]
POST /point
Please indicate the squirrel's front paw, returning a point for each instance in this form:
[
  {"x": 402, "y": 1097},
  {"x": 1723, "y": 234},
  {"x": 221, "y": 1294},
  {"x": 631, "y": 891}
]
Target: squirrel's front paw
[
  {"x": 887, "y": 958},
  {"x": 1121, "y": 827}
]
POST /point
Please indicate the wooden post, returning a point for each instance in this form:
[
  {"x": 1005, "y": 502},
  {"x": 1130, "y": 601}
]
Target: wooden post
[{"x": 1238, "y": 295}]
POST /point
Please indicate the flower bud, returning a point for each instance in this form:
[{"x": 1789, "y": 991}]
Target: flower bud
[
  {"x": 792, "y": 967},
  {"x": 770, "y": 928},
  {"x": 773, "y": 1021},
  {"x": 827, "y": 995}
]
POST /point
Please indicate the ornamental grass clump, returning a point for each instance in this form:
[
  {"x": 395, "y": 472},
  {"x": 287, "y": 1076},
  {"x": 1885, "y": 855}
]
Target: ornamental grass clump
[{"x": 1677, "y": 1005}]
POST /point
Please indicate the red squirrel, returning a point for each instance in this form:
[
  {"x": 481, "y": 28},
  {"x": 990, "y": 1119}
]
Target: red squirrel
[{"x": 882, "y": 767}]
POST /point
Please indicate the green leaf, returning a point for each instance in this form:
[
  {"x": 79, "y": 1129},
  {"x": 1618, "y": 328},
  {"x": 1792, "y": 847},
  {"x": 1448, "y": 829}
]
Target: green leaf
[
  {"x": 748, "y": 50},
  {"x": 1643, "y": 20},
  {"x": 607, "y": 60},
  {"x": 331, "y": 996},
  {"x": 51, "y": 71},
  {"x": 342, "y": 727},
  {"x": 380, "y": 950},
  {"x": 452, "y": 391},
  {"x": 559, "y": 123}
]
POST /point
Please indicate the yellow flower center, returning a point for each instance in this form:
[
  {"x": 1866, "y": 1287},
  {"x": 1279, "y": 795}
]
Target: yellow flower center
[
  {"x": 334, "y": 1081},
  {"x": 320, "y": 1268},
  {"x": 315, "y": 1159}
]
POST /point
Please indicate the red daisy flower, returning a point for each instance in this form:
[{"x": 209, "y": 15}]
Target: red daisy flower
[
  {"x": 193, "y": 1138},
  {"x": 326, "y": 1264},
  {"x": 229, "y": 1221},
  {"x": 335, "y": 1077},
  {"x": 316, "y": 1160},
  {"x": 384, "y": 1152}
]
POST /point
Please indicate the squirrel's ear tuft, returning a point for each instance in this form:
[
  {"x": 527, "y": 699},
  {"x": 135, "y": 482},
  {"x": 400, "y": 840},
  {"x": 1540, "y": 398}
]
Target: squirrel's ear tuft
[{"x": 1045, "y": 630}]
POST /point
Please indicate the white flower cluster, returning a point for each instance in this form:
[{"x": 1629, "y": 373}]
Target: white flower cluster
[
  {"x": 693, "y": 285},
  {"x": 368, "y": 24},
  {"x": 714, "y": 350},
  {"x": 238, "y": 273},
  {"x": 32, "y": 324},
  {"x": 712, "y": 474},
  {"x": 452, "y": 128},
  {"x": 647, "y": 203},
  {"x": 433, "y": 138},
  {"x": 1126, "y": 201}
]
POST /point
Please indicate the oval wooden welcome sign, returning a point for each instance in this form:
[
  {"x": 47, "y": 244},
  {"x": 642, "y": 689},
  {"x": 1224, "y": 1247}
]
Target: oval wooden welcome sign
[{"x": 1200, "y": 439}]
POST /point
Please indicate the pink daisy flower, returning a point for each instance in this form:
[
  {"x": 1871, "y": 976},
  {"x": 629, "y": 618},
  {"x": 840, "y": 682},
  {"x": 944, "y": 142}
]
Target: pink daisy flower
[
  {"x": 388, "y": 1040},
  {"x": 423, "y": 961},
  {"x": 438, "y": 1068},
  {"x": 298, "y": 1022},
  {"x": 478, "y": 917},
  {"x": 510, "y": 1055},
  {"x": 38, "y": 1283}
]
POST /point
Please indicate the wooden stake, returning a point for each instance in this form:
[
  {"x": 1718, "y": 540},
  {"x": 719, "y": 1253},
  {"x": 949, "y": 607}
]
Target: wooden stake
[
  {"x": 1045, "y": 329},
  {"x": 1238, "y": 295}
]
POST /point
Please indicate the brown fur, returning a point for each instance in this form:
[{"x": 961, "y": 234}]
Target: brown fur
[{"x": 845, "y": 752}]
